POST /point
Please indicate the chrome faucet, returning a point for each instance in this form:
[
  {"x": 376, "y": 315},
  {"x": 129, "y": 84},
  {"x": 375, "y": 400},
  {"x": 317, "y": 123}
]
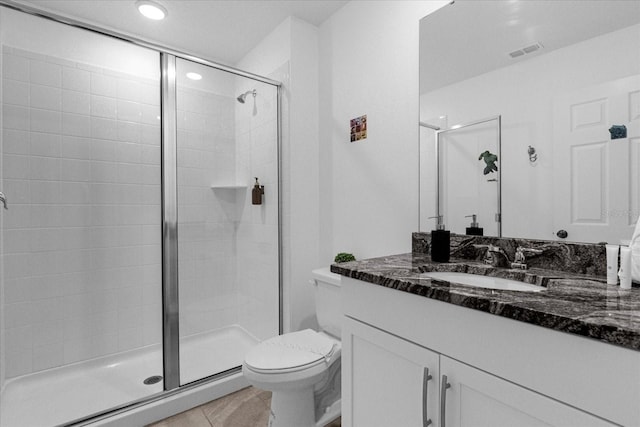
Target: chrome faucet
[
  {"x": 492, "y": 254},
  {"x": 521, "y": 257},
  {"x": 3, "y": 199}
]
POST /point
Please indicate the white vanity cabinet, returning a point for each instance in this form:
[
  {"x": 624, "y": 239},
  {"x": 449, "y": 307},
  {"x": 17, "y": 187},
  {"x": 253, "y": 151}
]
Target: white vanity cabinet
[
  {"x": 393, "y": 382},
  {"x": 501, "y": 372}
]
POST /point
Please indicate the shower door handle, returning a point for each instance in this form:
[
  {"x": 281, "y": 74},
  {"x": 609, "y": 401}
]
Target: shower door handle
[{"x": 3, "y": 199}]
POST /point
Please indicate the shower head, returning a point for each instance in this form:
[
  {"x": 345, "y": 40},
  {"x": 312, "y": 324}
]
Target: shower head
[{"x": 242, "y": 97}]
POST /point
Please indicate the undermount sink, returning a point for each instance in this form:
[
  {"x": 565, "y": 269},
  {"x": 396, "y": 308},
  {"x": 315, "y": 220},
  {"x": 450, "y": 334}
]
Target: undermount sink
[{"x": 487, "y": 282}]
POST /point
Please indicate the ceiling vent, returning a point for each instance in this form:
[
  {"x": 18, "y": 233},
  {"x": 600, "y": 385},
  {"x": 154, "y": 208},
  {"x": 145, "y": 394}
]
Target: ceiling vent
[{"x": 526, "y": 50}]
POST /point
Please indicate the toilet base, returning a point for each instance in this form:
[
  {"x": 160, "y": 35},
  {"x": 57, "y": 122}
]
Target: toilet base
[
  {"x": 293, "y": 408},
  {"x": 331, "y": 414}
]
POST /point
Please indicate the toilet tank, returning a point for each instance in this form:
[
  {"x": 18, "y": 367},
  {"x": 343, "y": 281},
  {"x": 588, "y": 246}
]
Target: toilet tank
[{"x": 328, "y": 303}]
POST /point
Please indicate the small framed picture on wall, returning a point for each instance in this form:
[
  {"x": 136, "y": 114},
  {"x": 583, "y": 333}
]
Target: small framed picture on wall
[{"x": 358, "y": 128}]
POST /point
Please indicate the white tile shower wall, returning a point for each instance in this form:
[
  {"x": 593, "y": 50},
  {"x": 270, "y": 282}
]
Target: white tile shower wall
[
  {"x": 81, "y": 168},
  {"x": 257, "y": 229},
  {"x": 206, "y": 217}
]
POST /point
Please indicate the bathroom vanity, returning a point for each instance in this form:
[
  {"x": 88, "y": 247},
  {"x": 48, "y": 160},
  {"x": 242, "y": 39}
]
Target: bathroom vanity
[{"x": 419, "y": 351}]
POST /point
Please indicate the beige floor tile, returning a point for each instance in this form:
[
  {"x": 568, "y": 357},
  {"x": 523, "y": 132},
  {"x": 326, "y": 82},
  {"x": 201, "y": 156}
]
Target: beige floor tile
[
  {"x": 243, "y": 408},
  {"x": 192, "y": 418},
  {"x": 252, "y": 412},
  {"x": 248, "y": 407}
]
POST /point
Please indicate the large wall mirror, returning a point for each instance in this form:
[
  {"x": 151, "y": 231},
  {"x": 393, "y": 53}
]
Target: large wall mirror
[{"x": 564, "y": 77}]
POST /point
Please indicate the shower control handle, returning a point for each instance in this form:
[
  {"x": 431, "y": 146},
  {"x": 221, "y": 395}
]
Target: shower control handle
[{"x": 3, "y": 199}]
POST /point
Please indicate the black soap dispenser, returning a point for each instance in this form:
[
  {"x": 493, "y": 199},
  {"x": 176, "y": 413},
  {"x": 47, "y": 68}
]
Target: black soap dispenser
[
  {"x": 440, "y": 242},
  {"x": 474, "y": 229}
]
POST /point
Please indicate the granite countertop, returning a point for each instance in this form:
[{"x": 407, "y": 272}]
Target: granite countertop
[{"x": 578, "y": 304}]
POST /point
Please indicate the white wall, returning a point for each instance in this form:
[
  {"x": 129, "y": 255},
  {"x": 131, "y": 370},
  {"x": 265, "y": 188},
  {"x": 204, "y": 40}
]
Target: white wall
[
  {"x": 523, "y": 94},
  {"x": 303, "y": 161},
  {"x": 290, "y": 55},
  {"x": 369, "y": 189}
]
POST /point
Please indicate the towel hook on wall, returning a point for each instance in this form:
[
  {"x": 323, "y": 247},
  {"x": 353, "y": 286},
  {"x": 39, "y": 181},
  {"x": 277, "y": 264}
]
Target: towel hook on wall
[{"x": 532, "y": 154}]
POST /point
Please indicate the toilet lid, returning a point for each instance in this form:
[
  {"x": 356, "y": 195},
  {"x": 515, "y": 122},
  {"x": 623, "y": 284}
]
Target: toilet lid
[{"x": 291, "y": 350}]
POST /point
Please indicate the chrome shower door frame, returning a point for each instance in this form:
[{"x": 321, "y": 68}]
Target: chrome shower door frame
[
  {"x": 171, "y": 308},
  {"x": 170, "y": 277}
]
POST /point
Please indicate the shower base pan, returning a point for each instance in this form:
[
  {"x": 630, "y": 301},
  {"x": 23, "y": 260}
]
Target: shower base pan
[{"x": 61, "y": 395}]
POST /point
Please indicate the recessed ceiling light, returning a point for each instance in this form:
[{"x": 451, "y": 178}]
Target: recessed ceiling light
[
  {"x": 194, "y": 76},
  {"x": 151, "y": 10}
]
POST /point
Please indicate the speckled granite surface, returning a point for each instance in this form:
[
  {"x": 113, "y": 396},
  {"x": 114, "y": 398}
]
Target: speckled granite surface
[
  {"x": 584, "y": 258},
  {"x": 573, "y": 303}
]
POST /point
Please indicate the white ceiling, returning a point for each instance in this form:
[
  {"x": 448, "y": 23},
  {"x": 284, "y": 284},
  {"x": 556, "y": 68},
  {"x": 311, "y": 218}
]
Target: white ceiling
[
  {"x": 470, "y": 37},
  {"x": 218, "y": 30}
]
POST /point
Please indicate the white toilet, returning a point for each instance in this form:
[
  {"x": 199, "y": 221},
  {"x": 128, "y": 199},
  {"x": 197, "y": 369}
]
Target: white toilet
[{"x": 302, "y": 369}]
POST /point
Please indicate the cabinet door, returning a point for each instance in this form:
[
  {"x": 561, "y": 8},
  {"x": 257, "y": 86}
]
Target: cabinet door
[
  {"x": 478, "y": 399},
  {"x": 386, "y": 379}
]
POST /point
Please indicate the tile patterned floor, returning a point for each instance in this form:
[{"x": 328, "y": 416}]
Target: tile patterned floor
[{"x": 248, "y": 407}]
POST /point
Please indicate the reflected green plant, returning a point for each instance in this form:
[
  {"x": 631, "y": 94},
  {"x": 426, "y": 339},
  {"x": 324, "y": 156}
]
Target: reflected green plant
[{"x": 490, "y": 160}]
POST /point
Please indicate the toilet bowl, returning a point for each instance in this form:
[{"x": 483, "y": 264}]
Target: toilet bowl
[{"x": 302, "y": 369}]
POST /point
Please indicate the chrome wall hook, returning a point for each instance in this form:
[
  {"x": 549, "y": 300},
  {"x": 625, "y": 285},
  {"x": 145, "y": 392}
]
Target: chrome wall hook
[
  {"x": 3, "y": 199},
  {"x": 532, "y": 154}
]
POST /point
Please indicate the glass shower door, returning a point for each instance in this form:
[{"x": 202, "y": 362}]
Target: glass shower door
[
  {"x": 228, "y": 248},
  {"x": 81, "y": 314}
]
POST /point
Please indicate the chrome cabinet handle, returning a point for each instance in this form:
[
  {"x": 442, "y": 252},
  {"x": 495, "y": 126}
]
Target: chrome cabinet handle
[
  {"x": 3, "y": 199},
  {"x": 425, "y": 394},
  {"x": 443, "y": 399}
]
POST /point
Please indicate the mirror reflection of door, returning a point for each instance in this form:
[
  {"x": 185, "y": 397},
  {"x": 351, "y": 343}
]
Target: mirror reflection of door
[{"x": 599, "y": 174}]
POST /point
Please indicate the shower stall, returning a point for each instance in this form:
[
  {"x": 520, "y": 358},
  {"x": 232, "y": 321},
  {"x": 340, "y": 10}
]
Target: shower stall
[{"x": 134, "y": 267}]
